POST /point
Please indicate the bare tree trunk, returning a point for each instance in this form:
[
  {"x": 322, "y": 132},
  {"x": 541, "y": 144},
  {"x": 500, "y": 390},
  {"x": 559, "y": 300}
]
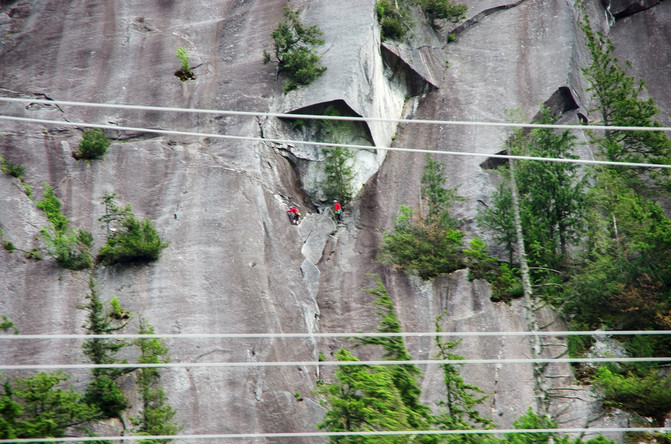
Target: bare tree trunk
[{"x": 529, "y": 303}]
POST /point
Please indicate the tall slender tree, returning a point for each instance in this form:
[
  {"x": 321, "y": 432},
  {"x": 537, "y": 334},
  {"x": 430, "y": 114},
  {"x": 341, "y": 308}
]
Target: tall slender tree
[
  {"x": 156, "y": 416},
  {"x": 363, "y": 398},
  {"x": 404, "y": 377},
  {"x": 619, "y": 103},
  {"x": 103, "y": 390},
  {"x": 461, "y": 399}
]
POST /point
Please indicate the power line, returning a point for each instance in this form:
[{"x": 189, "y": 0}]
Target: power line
[
  {"x": 331, "y": 145},
  {"x": 244, "y": 364},
  {"x": 463, "y": 334},
  {"x": 326, "y": 117},
  {"x": 286, "y": 435}
]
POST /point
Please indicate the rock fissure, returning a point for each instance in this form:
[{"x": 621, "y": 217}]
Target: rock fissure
[{"x": 477, "y": 18}]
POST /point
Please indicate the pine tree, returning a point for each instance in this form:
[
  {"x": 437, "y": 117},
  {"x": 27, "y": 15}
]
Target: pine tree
[
  {"x": 363, "y": 398},
  {"x": 36, "y": 407},
  {"x": 462, "y": 399},
  {"x": 619, "y": 104},
  {"x": 551, "y": 193},
  {"x": 103, "y": 390},
  {"x": 128, "y": 239},
  {"x": 498, "y": 219},
  {"x": 404, "y": 377},
  {"x": 294, "y": 50},
  {"x": 156, "y": 416},
  {"x": 427, "y": 244}
]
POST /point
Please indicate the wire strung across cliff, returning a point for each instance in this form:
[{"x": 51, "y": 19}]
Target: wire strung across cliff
[
  {"x": 330, "y": 145},
  {"x": 286, "y": 435}
]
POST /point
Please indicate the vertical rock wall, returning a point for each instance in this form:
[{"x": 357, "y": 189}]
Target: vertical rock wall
[{"x": 234, "y": 263}]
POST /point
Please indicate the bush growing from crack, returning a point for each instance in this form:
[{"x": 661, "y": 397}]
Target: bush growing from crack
[
  {"x": 294, "y": 50},
  {"x": 12, "y": 169},
  {"x": 426, "y": 244},
  {"x": 443, "y": 10},
  {"x": 92, "y": 146},
  {"x": 184, "y": 73},
  {"x": 128, "y": 239},
  {"x": 391, "y": 17},
  {"x": 70, "y": 248}
]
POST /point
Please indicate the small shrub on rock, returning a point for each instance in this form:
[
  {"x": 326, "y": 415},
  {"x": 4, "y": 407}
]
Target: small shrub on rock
[
  {"x": 92, "y": 146},
  {"x": 128, "y": 239},
  {"x": 391, "y": 17},
  {"x": 294, "y": 50},
  {"x": 12, "y": 169},
  {"x": 443, "y": 9},
  {"x": 70, "y": 248},
  {"x": 184, "y": 73}
]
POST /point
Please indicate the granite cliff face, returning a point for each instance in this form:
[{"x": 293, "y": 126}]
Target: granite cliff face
[{"x": 235, "y": 264}]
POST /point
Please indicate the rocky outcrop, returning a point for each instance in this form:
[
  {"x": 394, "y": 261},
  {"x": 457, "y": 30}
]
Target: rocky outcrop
[
  {"x": 364, "y": 77},
  {"x": 623, "y": 8}
]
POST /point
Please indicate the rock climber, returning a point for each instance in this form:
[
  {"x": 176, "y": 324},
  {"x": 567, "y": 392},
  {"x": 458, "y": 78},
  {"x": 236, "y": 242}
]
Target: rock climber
[
  {"x": 294, "y": 214},
  {"x": 337, "y": 209}
]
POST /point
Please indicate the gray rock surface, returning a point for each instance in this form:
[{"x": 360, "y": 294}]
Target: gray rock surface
[{"x": 235, "y": 264}]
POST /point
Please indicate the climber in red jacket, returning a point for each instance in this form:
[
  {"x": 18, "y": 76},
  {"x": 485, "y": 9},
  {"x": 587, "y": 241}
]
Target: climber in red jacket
[
  {"x": 294, "y": 214},
  {"x": 337, "y": 209}
]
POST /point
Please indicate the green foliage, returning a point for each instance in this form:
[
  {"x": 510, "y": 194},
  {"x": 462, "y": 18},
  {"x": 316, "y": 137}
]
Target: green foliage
[
  {"x": 104, "y": 393},
  {"x": 338, "y": 163},
  {"x": 92, "y": 146},
  {"x": 551, "y": 194},
  {"x": 103, "y": 390},
  {"x": 507, "y": 284},
  {"x": 403, "y": 376},
  {"x": 70, "y": 248},
  {"x": 184, "y": 73},
  {"x": 294, "y": 50},
  {"x": 392, "y": 17},
  {"x": 12, "y": 169},
  {"x": 183, "y": 58},
  {"x": 530, "y": 420},
  {"x": 363, "y": 398},
  {"x": 52, "y": 209},
  {"x": 420, "y": 247},
  {"x": 551, "y": 198},
  {"x": 7, "y": 325},
  {"x": 578, "y": 345},
  {"x": 648, "y": 396},
  {"x": 624, "y": 276},
  {"x": 478, "y": 260},
  {"x": 498, "y": 219},
  {"x": 443, "y": 9},
  {"x": 461, "y": 401},
  {"x": 29, "y": 191},
  {"x": 438, "y": 199},
  {"x": 619, "y": 104},
  {"x": 156, "y": 416},
  {"x": 427, "y": 246},
  {"x": 117, "y": 312},
  {"x": 35, "y": 407},
  {"x": 128, "y": 239}
]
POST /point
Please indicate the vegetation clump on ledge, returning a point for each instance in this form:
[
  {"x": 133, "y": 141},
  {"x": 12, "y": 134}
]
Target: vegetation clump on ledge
[
  {"x": 395, "y": 20},
  {"x": 128, "y": 239},
  {"x": 295, "y": 54},
  {"x": 70, "y": 248},
  {"x": 185, "y": 72},
  {"x": 92, "y": 146}
]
